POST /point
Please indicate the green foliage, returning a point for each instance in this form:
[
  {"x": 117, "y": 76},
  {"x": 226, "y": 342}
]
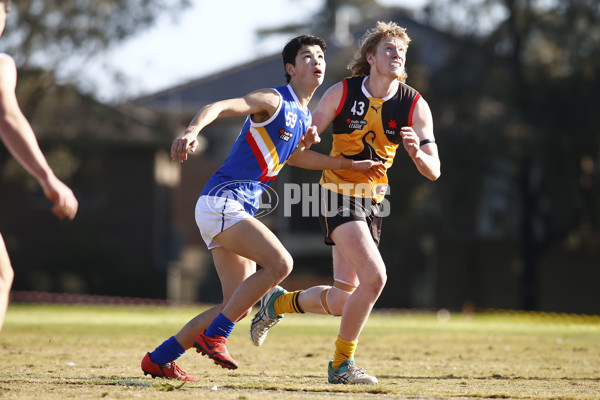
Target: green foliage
[
  {"x": 59, "y": 37},
  {"x": 325, "y": 19},
  {"x": 518, "y": 129},
  {"x": 55, "y": 30},
  {"x": 524, "y": 97}
]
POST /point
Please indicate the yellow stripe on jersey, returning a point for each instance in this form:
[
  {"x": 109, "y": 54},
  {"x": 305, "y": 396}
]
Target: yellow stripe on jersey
[{"x": 267, "y": 149}]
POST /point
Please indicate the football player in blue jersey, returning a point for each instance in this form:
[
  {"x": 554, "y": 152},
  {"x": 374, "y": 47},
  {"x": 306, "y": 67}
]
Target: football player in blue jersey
[
  {"x": 19, "y": 138},
  {"x": 278, "y": 129}
]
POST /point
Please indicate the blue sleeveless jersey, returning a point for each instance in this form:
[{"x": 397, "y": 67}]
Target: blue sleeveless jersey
[{"x": 259, "y": 153}]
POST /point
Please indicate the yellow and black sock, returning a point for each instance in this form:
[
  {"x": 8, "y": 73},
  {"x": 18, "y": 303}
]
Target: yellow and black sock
[
  {"x": 288, "y": 303},
  {"x": 344, "y": 350}
]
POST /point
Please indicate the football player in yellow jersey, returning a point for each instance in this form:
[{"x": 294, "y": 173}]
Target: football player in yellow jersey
[{"x": 373, "y": 113}]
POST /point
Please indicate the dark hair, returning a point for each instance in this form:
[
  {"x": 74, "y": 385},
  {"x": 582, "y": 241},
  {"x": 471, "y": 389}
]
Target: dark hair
[
  {"x": 291, "y": 49},
  {"x": 6, "y": 4}
]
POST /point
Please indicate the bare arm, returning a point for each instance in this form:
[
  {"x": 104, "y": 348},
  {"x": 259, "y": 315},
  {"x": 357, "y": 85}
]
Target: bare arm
[
  {"x": 425, "y": 157},
  {"x": 15, "y": 131},
  {"x": 262, "y": 104},
  {"x": 17, "y": 135},
  {"x": 322, "y": 117},
  {"x": 309, "y": 159},
  {"x": 326, "y": 110}
]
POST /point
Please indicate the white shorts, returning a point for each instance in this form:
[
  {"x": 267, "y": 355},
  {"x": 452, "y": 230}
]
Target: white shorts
[{"x": 215, "y": 214}]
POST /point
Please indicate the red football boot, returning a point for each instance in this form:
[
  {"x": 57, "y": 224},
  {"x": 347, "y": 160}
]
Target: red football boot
[
  {"x": 168, "y": 370},
  {"x": 215, "y": 348}
]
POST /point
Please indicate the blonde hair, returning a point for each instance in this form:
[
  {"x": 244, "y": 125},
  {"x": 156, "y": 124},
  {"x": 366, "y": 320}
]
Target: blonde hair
[{"x": 360, "y": 66}]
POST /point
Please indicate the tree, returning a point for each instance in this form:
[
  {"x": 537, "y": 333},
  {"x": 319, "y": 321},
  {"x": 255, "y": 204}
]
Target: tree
[
  {"x": 51, "y": 34},
  {"x": 529, "y": 94},
  {"x": 324, "y": 20}
]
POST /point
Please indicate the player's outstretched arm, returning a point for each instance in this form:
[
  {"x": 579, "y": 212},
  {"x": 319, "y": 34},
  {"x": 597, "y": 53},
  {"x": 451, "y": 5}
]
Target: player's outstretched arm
[
  {"x": 261, "y": 104},
  {"x": 17, "y": 135},
  {"x": 309, "y": 159}
]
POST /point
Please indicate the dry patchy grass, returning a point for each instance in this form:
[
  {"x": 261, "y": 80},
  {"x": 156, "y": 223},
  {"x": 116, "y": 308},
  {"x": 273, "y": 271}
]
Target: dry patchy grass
[{"x": 93, "y": 352}]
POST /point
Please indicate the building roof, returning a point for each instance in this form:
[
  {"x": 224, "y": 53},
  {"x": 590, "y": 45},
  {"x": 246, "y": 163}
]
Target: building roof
[
  {"x": 230, "y": 83},
  {"x": 427, "y": 47}
]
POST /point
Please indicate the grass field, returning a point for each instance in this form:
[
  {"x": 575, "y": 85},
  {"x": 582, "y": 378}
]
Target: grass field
[{"x": 94, "y": 352}]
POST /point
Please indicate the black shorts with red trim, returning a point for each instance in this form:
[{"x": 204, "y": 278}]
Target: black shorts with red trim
[{"x": 337, "y": 209}]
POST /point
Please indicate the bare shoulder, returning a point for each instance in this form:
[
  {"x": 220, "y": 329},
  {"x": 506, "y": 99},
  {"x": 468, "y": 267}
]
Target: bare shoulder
[
  {"x": 267, "y": 96},
  {"x": 332, "y": 96},
  {"x": 422, "y": 111},
  {"x": 266, "y": 92},
  {"x": 6, "y": 61},
  {"x": 422, "y": 119},
  {"x": 326, "y": 110},
  {"x": 262, "y": 104},
  {"x": 335, "y": 91},
  {"x": 266, "y": 99},
  {"x": 422, "y": 103},
  {"x": 8, "y": 72}
]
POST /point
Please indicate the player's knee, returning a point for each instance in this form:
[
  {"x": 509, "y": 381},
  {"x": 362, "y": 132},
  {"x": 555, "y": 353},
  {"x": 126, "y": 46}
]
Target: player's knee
[
  {"x": 381, "y": 281},
  {"x": 334, "y": 298},
  {"x": 376, "y": 283},
  {"x": 7, "y": 275},
  {"x": 337, "y": 312},
  {"x": 336, "y": 301},
  {"x": 283, "y": 267}
]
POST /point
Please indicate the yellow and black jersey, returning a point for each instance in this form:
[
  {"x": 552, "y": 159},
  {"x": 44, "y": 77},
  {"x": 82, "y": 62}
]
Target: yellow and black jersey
[{"x": 364, "y": 128}]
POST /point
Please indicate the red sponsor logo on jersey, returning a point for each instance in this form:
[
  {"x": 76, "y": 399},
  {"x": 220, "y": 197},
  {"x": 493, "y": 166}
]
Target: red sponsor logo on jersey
[{"x": 285, "y": 135}]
